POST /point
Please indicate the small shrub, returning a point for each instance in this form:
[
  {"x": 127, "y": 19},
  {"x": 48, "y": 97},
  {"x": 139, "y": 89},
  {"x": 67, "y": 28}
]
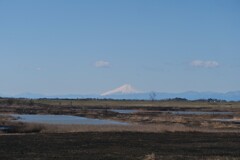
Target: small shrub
[
  {"x": 150, "y": 157},
  {"x": 31, "y": 102},
  {"x": 10, "y": 101},
  {"x": 29, "y": 128}
]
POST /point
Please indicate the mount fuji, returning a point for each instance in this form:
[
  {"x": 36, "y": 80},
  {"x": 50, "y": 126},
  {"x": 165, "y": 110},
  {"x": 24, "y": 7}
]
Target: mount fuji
[{"x": 124, "y": 89}]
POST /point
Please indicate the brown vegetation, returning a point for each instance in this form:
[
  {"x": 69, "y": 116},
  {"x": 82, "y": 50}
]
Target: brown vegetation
[{"x": 121, "y": 145}]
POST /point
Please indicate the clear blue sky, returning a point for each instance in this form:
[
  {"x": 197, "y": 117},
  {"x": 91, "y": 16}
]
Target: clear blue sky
[{"x": 90, "y": 46}]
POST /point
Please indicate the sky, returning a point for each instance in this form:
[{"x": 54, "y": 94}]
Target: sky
[{"x": 91, "y": 46}]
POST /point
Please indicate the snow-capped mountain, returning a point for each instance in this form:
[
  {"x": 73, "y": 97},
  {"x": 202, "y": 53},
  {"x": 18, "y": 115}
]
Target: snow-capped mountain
[
  {"x": 124, "y": 89},
  {"x": 130, "y": 93}
]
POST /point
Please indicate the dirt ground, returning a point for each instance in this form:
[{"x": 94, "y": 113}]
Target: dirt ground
[{"x": 120, "y": 145}]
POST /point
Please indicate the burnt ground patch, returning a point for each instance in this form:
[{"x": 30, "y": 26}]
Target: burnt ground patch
[{"x": 120, "y": 145}]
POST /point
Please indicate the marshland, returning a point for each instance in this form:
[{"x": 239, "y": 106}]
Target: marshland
[{"x": 166, "y": 129}]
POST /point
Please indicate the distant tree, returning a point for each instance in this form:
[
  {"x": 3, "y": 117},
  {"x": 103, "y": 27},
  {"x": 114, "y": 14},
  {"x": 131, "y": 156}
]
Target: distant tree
[
  {"x": 179, "y": 99},
  {"x": 10, "y": 101},
  {"x": 152, "y": 95},
  {"x": 31, "y": 102}
]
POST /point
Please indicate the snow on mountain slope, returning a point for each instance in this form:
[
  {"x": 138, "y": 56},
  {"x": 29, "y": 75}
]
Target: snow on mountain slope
[{"x": 124, "y": 89}]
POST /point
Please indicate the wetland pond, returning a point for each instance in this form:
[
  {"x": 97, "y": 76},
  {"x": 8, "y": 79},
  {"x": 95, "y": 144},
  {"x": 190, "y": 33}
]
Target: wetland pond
[
  {"x": 231, "y": 120},
  {"x": 183, "y": 112},
  {"x": 124, "y": 111},
  {"x": 63, "y": 119},
  {"x": 198, "y": 112}
]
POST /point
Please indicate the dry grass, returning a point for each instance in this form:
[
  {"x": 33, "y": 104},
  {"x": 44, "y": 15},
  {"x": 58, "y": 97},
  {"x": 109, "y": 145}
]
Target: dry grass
[
  {"x": 236, "y": 118},
  {"x": 110, "y": 128},
  {"x": 150, "y": 157},
  {"x": 20, "y": 127},
  {"x": 132, "y": 103},
  {"x": 29, "y": 128},
  {"x": 48, "y": 128}
]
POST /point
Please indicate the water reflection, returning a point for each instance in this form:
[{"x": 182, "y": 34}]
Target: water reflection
[
  {"x": 198, "y": 112},
  {"x": 124, "y": 111},
  {"x": 63, "y": 119}
]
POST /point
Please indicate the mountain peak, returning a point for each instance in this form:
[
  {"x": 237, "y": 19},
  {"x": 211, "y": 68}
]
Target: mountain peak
[{"x": 124, "y": 89}]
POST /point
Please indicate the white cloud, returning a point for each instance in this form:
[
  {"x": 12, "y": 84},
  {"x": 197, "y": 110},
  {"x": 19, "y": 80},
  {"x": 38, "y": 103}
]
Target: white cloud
[
  {"x": 102, "y": 64},
  {"x": 205, "y": 64}
]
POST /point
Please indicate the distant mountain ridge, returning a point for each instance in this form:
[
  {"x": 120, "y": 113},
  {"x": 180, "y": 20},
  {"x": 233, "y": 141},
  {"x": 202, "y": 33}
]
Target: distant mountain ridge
[
  {"x": 128, "y": 92},
  {"x": 191, "y": 95}
]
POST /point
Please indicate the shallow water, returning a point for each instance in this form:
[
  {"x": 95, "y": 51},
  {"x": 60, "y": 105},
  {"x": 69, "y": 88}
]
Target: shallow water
[
  {"x": 4, "y": 127},
  {"x": 124, "y": 111},
  {"x": 227, "y": 120},
  {"x": 63, "y": 119},
  {"x": 129, "y": 111},
  {"x": 198, "y": 113}
]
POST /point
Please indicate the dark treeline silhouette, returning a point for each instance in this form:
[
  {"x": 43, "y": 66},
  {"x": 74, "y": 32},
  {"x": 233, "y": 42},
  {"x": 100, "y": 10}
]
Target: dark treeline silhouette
[
  {"x": 17, "y": 101},
  {"x": 31, "y": 102}
]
